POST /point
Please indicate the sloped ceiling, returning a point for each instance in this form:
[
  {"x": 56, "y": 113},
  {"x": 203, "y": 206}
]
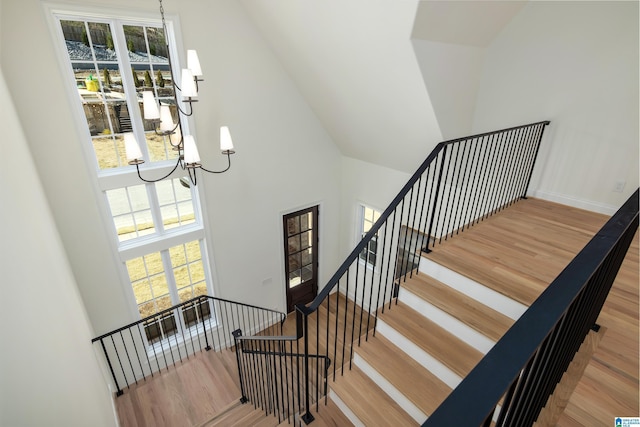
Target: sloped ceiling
[
  {"x": 354, "y": 63},
  {"x": 450, "y": 39},
  {"x": 368, "y": 68},
  {"x": 468, "y": 23}
]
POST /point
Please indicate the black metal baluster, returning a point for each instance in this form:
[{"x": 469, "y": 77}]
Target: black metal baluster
[
  {"x": 119, "y": 391},
  {"x": 535, "y": 157},
  {"x": 344, "y": 333},
  {"x": 204, "y": 328},
  {"x": 468, "y": 184},
  {"x": 120, "y": 362},
  {"x": 387, "y": 278},
  {"x": 510, "y": 168},
  {"x": 335, "y": 334},
  {"x": 371, "y": 290},
  {"x": 485, "y": 178},
  {"x": 495, "y": 185},
  {"x": 126, "y": 351},
  {"x": 459, "y": 158},
  {"x": 147, "y": 353},
  {"x": 179, "y": 324},
  {"x": 353, "y": 320},
  {"x": 135, "y": 347},
  {"x": 479, "y": 165},
  {"x": 507, "y": 169}
]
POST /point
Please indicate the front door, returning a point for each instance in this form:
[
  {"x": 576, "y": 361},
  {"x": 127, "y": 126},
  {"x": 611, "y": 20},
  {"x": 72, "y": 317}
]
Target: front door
[{"x": 301, "y": 256}]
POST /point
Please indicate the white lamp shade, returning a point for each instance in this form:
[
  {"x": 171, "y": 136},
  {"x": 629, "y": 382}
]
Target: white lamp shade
[
  {"x": 188, "y": 84},
  {"x": 166, "y": 120},
  {"x": 175, "y": 137},
  {"x": 193, "y": 63},
  {"x": 151, "y": 111},
  {"x": 191, "y": 154},
  {"x": 131, "y": 147},
  {"x": 226, "y": 144}
]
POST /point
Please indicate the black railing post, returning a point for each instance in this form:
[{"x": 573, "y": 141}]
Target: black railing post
[
  {"x": 436, "y": 198},
  {"x": 204, "y": 329},
  {"x": 238, "y": 333},
  {"x": 535, "y": 157},
  {"x": 113, "y": 374},
  {"x": 306, "y": 417}
]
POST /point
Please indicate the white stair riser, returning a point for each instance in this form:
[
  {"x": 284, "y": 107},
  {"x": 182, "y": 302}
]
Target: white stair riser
[
  {"x": 430, "y": 363},
  {"x": 345, "y": 409},
  {"x": 472, "y": 289},
  {"x": 443, "y": 319},
  {"x": 395, "y": 394}
]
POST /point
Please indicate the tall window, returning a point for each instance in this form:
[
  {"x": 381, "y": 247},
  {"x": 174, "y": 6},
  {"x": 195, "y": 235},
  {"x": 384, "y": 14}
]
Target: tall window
[
  {"x": 157, "y": 227},
  {"x": 368, "y": 217}
]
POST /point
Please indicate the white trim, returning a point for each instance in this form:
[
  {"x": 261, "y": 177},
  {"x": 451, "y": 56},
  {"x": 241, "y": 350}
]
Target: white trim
[
  {"x": 345, "y": 409},
  {"x": 458, "y": 328},
  {"x": 395, "y": 394},
  {"x": 575, "y": 202},
  {"x": 101, "y": 180},
  {"x": 429, "y": 362},
  {"x": 472, "y": 289}
]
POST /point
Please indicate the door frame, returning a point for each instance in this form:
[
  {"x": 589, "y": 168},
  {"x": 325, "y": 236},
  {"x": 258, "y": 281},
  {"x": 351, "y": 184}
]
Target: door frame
[{"x": 283, "y": 272}]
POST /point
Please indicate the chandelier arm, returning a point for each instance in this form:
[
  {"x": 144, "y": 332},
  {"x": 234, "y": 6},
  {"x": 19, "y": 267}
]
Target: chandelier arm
[
  {"x": 192, "y": 175},
  {"x": 222, "y": 171},
  {"x": 151, "y": 181},
  {"x": 189, "y": 101}
]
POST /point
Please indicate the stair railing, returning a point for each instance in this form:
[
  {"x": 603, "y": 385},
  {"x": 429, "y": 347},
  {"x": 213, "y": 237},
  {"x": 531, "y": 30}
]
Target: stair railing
[
  {"x": 146, "y": 347},
  {"x": 272, "y": 375},
  {"x": 514, "y": 380},
  {"x": 462, "y": 182}
]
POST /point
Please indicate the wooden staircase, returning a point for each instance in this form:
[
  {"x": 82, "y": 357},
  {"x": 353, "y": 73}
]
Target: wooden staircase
[{"x": 445, "y": 318}]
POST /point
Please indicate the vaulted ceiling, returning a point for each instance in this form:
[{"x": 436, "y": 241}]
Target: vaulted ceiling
[{"x": 388, "y": 79}]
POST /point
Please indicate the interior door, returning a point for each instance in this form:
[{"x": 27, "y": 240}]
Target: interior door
[{"x": 301, "y": 256}]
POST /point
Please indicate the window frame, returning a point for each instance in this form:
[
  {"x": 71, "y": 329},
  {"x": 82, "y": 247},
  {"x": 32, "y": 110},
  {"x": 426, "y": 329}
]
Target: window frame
[
  {"x": 104, "y": 180},
  {"x": 360, "y": 233}
]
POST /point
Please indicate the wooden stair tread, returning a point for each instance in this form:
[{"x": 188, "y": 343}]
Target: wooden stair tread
[
  {"x": 417, "y": 384},
  {"x": 502, "y": 279},
  {"x": 369, "y": 402},
  {"x": 454, "y": 353},
  {"x": 480, "y": 317},
  {"x": 548, "y": 237}
]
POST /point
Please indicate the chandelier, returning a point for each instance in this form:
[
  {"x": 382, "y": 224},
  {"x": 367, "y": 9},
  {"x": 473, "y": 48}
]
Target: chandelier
[{"x": 162, "y": 121}]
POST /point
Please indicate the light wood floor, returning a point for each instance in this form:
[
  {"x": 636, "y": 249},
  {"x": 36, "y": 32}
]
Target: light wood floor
[
  {"x": 519, "y": 252},
  {"x": 522, "y": 248}
]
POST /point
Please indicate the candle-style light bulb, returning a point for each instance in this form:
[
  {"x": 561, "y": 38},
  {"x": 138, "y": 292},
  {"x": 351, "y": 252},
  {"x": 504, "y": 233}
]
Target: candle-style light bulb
[
  {"x": 150, "y": 106},
  {"x": 226, "y": 144},
  {"x": 189, "y": 89},
  {"x": 191, "y": 155},
  {"x": 166, "y": 120},
  {"x": 132, "y": 149},
  {"x": 193, "y": 63}
]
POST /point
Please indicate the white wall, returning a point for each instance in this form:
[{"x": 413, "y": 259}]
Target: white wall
[
  {"x": 49, "y": 373},
  {"x": 451, "y": 73},
  {"x": 576, "y": 64},
  {"x": 354, "y": 63},
  {"x": 285, "y": 159},
  {"x": 369, "y": 184}
]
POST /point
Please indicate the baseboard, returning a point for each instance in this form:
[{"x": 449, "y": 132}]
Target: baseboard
[{"x": 575, "y": 202}]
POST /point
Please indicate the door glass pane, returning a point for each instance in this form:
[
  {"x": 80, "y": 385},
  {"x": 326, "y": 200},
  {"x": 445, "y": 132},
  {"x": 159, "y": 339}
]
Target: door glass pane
[
  {"x": 294, "y": 243},
  {"x": 293, "y": 225}
]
